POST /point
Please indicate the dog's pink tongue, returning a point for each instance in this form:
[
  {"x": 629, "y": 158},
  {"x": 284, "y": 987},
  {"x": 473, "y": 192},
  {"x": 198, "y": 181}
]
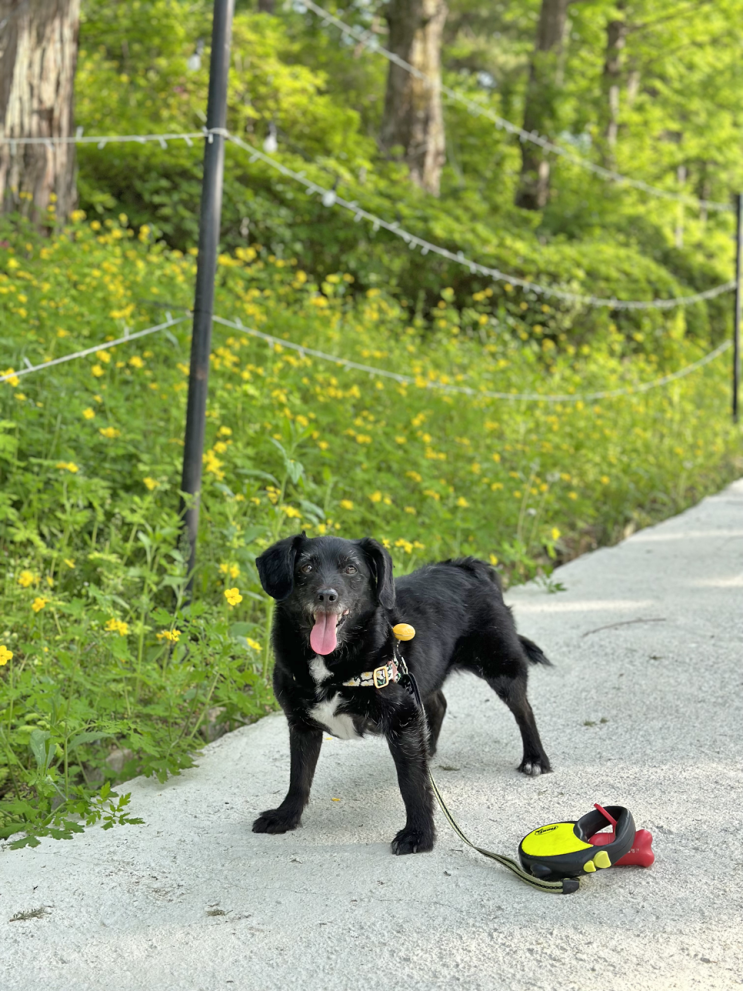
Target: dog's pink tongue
[{"x": 323, "y": 639}]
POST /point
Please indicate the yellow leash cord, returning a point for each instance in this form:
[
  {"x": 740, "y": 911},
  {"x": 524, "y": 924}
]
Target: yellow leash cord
[{"x": 564, "y": 887}]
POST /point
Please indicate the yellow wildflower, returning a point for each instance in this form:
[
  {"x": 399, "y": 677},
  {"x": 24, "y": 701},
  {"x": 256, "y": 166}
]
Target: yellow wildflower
[
  {"x": 69, "y": 562},
  {"x": 253, "y": 644},
  {"x": 97, "y": 370},
  {"x": 89, "y": 413},
  {"x": 27, "y": 578},
  {"x": 376, "y": 496},
  {"x": 110, "y": 432},
  {"x": 224, "y": 432},
  {"x": 38, "y": 604},
  {"x": 68, "y": 466},
  {"x": 233, "y": 570},
  {"x": 554, "y": 533},
  {"x": 572, "y": 495},
  {"x": 5, "y": 655},
  {"x": 13, "y": 380},
  {"x": 414, "y": 475},
  {"x": 150, "y": 483},
  {"x": 411, "y": 510},
  {"x": 233, "y": 596},
  {"x": 346, "y": 504},
  {"x": 462, "y": 502},
  {"x": 136, "y": 362},
  {"x": 291, "y": 512},
  {"x": 493, "y": 560},
  {"x": 405, "y": 544},
  {"x": 103, "y": 356},
  {"x": 117, "y": 626},
  {"x": 171, "y": 635}
]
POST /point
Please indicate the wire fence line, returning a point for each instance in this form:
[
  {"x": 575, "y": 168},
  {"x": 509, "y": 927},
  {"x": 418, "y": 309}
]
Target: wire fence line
[
  {"x": 101, "y": 140},
  {"x": 170, "y": 322},
  {"x": 330, "y": 199},
  {"x": 372, "y": 370},
  {"x": 367, "y": 39},
  {"x": 466, "y": 390}
]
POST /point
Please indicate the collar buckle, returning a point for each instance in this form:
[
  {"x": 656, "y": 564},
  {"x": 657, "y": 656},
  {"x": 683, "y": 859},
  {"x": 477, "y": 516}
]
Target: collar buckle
[{"x": 381, "y": 676}]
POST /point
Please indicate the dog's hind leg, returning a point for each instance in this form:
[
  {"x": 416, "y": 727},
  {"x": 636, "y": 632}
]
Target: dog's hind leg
[
  {"x": 435, "y": 706},
  {"x": 512, "y": 690}
]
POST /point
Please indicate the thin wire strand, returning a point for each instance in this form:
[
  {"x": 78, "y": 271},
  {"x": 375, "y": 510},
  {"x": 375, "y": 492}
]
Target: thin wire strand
[
  {"x": 170, "y": 322},
  {"x": 373, "y": 370},
  {"x": 412, "y": 240},
  {"x": 480, "y": 110},
  {"x": 465, "y": 390},
  {"x": 330, "y": 198},
  {"x": 103, "y": 139}
]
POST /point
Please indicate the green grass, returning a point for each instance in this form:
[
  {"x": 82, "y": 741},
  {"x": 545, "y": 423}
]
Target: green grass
[{"x": 112, "y": 673}]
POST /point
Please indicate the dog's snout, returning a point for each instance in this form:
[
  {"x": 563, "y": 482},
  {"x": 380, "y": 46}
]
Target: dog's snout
[{"x": 327, "y": 596}]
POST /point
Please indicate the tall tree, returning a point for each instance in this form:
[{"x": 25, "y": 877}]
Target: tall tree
[
  {"x": 38, "y": 54},
  {"x": 540, "y": 109},
  {"x": 413, "y": 117},
  {"x": 616, "y": 38}
]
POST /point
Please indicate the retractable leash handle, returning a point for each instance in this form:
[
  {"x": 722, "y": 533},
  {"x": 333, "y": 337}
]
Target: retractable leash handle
[{"x": 565, "y": 886}]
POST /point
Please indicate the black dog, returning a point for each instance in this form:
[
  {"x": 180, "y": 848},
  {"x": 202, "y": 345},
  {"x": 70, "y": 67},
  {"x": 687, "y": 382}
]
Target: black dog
[{"x": 337, "y": 603}]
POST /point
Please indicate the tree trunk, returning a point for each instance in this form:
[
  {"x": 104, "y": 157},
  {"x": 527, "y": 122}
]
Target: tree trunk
[
  {"x": 413, "y": 117},
  {"x": 38, "y": 54},
  {"x": 616, "y": 38},
  {"x": 540, "y": 110}
]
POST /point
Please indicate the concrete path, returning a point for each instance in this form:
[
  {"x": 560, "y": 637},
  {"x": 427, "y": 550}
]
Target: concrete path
[{"x": 643, "y": 709}]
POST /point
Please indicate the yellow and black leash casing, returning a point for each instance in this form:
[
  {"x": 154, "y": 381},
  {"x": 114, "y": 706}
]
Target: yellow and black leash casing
[{"x": 561, "y": 849}]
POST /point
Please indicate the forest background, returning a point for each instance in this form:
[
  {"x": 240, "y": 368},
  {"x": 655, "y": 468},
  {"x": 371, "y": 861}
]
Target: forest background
[{"x": 106, "y": 668}]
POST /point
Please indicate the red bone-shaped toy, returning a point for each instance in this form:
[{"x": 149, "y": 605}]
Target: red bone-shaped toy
[{"x": 641, "y": 853}]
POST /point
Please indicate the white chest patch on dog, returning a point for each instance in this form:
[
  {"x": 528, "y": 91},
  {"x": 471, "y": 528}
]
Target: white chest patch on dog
[
  {"x": 339, "y": 724},
  {"x": 319, "y": 670}
]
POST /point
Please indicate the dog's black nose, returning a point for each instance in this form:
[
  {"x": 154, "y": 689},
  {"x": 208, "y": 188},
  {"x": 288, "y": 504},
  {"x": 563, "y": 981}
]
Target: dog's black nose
[{"x": 326, "y": 596}]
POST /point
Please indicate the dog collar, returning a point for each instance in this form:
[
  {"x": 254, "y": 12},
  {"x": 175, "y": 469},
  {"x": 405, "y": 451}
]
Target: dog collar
[{"x": 387, "y": 674}]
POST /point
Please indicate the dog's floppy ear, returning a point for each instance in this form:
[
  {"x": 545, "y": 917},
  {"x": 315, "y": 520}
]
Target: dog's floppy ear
[
  {"x": 276, "y": 567},
  {"x": 380, "y": 563}
]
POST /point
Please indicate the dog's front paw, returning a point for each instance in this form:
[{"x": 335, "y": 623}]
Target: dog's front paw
[
  {"x": 534, "y": 766},
  {"x": 277, "y": 821},
  {"x": 413, "y": 840}
]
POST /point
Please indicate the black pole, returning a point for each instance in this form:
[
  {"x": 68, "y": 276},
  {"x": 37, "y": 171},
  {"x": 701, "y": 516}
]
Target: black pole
[
  {"x": 736, "y": 329},
  {"x": 209, "y": 223}
]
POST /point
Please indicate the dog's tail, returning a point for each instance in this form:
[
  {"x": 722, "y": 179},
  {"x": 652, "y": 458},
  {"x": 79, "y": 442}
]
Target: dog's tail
[{"x": 535, "y": 654}]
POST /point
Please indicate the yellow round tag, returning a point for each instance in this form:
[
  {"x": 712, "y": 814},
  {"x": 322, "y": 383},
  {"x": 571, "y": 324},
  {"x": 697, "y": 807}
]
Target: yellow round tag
[{"x": 403, "y": 631}]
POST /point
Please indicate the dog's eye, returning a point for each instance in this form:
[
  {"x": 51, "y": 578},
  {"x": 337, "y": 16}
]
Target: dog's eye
[
  {"x": 306, "y": 568},
  {"x": 350, "y": 569}
]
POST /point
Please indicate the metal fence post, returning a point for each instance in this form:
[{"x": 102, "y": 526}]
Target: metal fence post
[
  {"x": 209, "y": 228},
  {"x": 736, "y": 328}
]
